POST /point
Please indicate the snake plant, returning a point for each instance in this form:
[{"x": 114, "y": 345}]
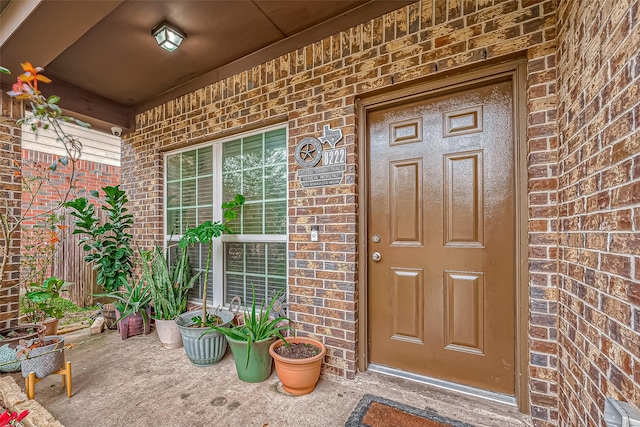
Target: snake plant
[{"x": 169, "y": 285}]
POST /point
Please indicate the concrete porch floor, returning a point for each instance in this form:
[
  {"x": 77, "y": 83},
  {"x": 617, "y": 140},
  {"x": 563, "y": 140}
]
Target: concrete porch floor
[{"x": 136, "y": 382}]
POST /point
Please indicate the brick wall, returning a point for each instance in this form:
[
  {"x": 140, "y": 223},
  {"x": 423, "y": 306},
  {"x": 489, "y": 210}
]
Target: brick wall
[
  {"x": 90, "y": 176},
  {"x": 318, "y": 85},
  {"x": 599, "y": 195},
  {"x": 10, "y": 185}
]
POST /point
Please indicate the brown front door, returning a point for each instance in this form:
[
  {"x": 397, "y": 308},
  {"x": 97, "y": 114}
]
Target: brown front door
[{"x": 441, "y": 219}]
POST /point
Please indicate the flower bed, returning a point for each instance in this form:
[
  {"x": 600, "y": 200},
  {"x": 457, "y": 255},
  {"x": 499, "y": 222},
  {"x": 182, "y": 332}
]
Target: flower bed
[{"x": 13, "y": 399}]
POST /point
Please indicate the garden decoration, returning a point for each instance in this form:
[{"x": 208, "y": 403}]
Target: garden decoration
[
  {"x": 202, "y": 345},
  {"x": 298, "y": 361},
  {"x": 250, "y": 340},
  {"x": 47, "y": 115}
]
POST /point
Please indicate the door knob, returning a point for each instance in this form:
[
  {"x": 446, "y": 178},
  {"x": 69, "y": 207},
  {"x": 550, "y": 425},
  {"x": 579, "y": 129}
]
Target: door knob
[{"x": 376, "y": 256}]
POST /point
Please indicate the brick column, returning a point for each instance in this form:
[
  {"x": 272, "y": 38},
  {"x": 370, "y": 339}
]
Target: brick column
[{"x": 10, "y": 191}]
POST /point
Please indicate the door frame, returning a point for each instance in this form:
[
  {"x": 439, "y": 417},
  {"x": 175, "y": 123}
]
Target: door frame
[{"x": 514, "y": 70}]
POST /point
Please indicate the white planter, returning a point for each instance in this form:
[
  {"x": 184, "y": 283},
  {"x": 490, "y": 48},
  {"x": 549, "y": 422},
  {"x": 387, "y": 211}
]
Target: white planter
[{"x": 168, "y": 333}]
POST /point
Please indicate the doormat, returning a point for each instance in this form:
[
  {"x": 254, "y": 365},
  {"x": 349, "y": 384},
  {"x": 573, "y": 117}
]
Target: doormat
[{"x": 374, "y": 411}]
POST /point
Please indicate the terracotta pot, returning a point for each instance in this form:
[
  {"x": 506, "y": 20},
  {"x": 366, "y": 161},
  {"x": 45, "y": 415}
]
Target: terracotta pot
[
  {"x": 298, "y": 376},
  {"x": 51, "y": 326}
]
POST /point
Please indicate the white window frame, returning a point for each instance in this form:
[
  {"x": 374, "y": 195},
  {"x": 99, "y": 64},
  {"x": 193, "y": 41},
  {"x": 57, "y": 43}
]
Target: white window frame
[{"x": 217, "y": 261}]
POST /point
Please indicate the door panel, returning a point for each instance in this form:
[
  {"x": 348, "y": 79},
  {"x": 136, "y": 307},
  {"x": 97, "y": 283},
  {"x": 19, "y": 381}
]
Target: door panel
[{"x": 441, "y": 297}]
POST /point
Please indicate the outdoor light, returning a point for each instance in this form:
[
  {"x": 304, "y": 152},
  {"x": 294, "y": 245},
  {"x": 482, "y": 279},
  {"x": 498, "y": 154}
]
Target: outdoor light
[{"x": 168, "y": 37}]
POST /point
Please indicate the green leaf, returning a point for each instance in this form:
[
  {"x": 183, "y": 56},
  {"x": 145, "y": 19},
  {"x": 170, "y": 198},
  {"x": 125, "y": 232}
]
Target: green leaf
[
  {"x": 64, "y": 160},
  {"x": 53, "y": 99},
  {"x": 81, "y": 123},
  {"x": 4, "y": 70},
  {"x": 94, "y": 193},
  {"x": 53, "y": 166}
]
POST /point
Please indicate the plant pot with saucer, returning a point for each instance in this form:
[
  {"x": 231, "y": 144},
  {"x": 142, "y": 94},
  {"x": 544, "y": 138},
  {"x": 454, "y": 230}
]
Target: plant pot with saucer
[{"x": 298, "y": 361}]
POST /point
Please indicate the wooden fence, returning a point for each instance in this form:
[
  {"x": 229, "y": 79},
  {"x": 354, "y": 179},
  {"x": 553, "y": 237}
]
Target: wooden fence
[{"x": 70, "y": 266}]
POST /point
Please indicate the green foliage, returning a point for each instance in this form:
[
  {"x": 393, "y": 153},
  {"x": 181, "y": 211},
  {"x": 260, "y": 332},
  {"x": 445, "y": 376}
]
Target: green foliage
[
  {"x": 42, "y": 300},
  {"x": 169, "y": 286},
  {"x": 212, "y": 320},
  {"x": 131, "y": 299},
  {"x": 205, "y": 233},
  {"x": 108, "y": 245},
  {"x": 258, "y": 324}
]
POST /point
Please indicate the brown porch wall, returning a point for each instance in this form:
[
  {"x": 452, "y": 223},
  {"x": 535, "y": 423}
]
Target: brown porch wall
[
  {"x": 10, "y": 193},
  {"x": 318, "y": 85},
  {"x": 599, "y": 192}
]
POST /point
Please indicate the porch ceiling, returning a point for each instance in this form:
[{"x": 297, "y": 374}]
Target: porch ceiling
[{"x": 106, "y": 65}]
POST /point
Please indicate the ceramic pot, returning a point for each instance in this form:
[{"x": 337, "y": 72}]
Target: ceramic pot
[
  {"x": 168, "y": 333},
  {"x": 133, "y": 324},
  {"x": 43, "y": 360},
  {"x": 9, "y": 359},
  {"x": 207, "y": 349},
  {"x": 298, "y": 376},
  {"x": 259, "y": 367}
]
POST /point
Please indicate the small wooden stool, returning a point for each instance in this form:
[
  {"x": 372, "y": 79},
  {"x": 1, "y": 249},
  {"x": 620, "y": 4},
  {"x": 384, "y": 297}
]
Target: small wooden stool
[{"x": 31, "y": 380}]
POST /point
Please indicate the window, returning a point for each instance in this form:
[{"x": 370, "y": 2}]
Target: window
[{"x": 199, "y": 180}]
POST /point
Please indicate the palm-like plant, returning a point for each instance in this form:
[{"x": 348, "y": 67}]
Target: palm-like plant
[
  {"x": 204, "y": 234},
  {"x": 258, "y": 324}
]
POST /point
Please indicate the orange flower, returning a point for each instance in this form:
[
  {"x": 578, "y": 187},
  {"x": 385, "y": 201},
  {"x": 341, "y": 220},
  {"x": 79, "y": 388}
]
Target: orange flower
[
  {"x": 53, "y": 238},
  {"x": 62, "y": 227},
  {"x": 31, "y": 74},
  {"x": 27, "y": 83}
]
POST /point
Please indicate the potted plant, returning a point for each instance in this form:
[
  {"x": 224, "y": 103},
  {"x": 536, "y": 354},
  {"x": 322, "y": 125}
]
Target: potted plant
[
  {"x": 41, "y": 303},
  {"x": 205, "y": 346},
  {"x": 132, "y": 309},
  {"x": 10, "y": 339},
  {"x": 169, "y": 287},
  {"x": 42, "y": 355},
  {"x": 251, "y": 339},
  {"x": 298, "y": 361},
  {"x": 109, "y": 244}
]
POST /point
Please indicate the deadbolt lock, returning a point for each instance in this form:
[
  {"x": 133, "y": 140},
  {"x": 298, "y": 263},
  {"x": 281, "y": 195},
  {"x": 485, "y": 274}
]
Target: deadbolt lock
[{"x": 375, "y": 238}]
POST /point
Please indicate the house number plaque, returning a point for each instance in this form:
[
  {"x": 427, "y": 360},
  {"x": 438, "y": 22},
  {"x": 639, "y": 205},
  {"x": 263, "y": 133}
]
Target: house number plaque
[{"x": 311, "y": 151}]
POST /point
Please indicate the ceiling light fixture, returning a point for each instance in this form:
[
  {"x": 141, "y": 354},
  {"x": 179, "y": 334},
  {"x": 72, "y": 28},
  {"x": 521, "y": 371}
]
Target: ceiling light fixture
[{"x": 168, "y": 37}]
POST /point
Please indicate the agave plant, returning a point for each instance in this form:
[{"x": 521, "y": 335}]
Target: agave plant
[
  {"x": 258, "y": 324},
  {"x": 169, "y": 286},
  {"x": 131, "y": 299}
]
